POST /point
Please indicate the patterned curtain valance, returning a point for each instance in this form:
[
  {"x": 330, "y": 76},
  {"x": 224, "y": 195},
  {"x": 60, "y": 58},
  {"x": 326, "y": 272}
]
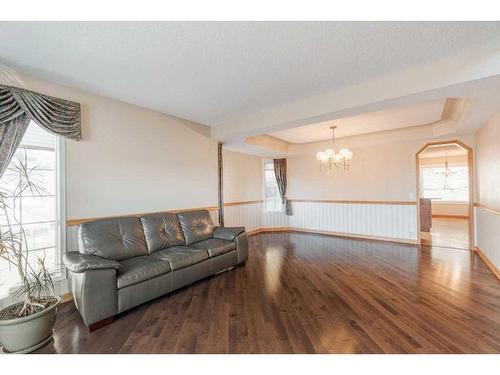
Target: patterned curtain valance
[{"x": 18, "y": 107}]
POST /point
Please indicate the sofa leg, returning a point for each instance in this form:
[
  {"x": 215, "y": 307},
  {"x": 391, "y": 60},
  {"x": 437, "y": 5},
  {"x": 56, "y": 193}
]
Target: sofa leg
[{"x": 102, "y": 323}]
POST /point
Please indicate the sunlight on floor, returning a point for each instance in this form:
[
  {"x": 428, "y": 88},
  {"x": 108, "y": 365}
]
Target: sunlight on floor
[
  {"x": 274, "y": 263},
  {"x": 449, "y": 232}
]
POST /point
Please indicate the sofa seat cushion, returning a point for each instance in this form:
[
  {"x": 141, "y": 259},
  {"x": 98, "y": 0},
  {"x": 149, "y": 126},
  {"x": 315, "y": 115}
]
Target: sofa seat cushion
[
  {"x": 138, "y": 269},
  {"x": 181, "y": 256},
  {"x": 215, "y": 246}
]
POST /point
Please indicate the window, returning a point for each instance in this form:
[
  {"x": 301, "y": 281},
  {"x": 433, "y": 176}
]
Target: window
[
  {"x": 271, "y": 192},
  {"x": 453, "y": 188},
  {"x": 38, "y": 213}
]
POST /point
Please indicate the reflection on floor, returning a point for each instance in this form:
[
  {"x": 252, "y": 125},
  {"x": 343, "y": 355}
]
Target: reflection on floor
[
  {"x": 449, "y": 232},
  {"x": 305, "y": 293}
]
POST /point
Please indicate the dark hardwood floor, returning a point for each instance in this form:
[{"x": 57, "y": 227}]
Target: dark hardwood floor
[{"x": 305, "y": 293}]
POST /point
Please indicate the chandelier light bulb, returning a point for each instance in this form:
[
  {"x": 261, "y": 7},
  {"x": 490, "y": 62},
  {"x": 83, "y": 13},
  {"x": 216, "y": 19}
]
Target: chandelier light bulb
[
  {"x": 322, "y": 156},
  {"x": 343, "y": 152}
]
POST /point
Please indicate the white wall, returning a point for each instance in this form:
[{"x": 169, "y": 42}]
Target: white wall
[
  {"x": 396, "y": 222},
  {"x": 488, "y": 163},
  {"x": 242, "y": 177},
  {"x": 391, "y": 222},
  {"x": 488, "y": 189},
  {"x": 132, "y": 159}
]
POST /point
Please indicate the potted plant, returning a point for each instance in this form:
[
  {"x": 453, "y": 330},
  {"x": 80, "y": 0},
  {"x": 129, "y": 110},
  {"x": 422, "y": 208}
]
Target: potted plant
[{"x": 26, "y": 325}]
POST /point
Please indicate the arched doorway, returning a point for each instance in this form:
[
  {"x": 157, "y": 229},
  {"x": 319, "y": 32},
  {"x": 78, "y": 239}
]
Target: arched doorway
[{"x": 445, "y": 196}]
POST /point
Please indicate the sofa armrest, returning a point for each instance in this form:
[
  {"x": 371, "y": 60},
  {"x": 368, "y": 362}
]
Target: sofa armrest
[
  {"x": 242, "y": 246},
  {"x": 78, "y": 263},
  {"x": 228, "y": 233}
]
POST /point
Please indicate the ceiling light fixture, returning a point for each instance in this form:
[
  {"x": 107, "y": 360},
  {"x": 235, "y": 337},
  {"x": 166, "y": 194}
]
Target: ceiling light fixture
[
  {"x": 446, "y": 173},
  {"x": 329, "y": 158}
]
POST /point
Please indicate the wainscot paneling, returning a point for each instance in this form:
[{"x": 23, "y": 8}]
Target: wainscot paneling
[
  {"x": 248, "y": 215},
  {"x": 380, "y": 220},
  {"x": 487, "y": 234},
  {"x": 274, "y": 219},
  {"x": 391, "y": 220}
]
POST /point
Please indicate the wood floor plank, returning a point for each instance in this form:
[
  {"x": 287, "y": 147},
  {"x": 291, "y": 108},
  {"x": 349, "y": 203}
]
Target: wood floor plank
[{"x": 307, "y": 293}]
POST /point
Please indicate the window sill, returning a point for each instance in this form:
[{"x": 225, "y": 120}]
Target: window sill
[{"x": 437, "y": 201}]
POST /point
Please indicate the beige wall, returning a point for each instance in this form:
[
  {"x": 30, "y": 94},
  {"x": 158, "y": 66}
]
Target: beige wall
[
  {"x": 450, "y": 209},
  {"x": 376, "y": 173},
  {"x": 242, "y": 177},
  {"x": 488, "y": 189},
  {"x": 488, "y": 164},
  {"x": 132, "y": 159},
  {"x": 380, "y": 170}
]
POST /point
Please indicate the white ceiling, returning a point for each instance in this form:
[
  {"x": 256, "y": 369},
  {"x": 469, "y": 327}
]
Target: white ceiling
[
  {"x": 215, "y": 72},
  {"x": 389, "y": 119}
]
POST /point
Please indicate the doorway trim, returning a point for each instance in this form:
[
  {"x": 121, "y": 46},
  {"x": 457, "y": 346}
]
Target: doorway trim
[{"x": 470, "y": 165}]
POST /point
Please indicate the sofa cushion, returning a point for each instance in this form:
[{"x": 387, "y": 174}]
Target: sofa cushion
[
  {"x": 117, "y": 238},
  {"x": 215, "y": 246},
  {"x": 181, "y": 256},
  {"x": 162, "y": 230},
  {"x": 138, "y": 269},
  {"x": 196, "y": 225}
]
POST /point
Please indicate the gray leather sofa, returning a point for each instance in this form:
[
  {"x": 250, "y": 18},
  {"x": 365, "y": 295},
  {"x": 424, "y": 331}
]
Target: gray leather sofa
[{"x": 124, "y": 262}]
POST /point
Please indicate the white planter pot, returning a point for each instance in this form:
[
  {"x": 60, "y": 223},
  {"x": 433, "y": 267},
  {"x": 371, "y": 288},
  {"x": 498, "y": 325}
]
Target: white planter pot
[{"x": 27, "y": 334}]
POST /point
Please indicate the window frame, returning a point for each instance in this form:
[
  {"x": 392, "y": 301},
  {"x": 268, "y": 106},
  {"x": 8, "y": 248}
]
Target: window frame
[
  {"x": 61, "y": 204},
  {"x": 264, "y": 190},
  {"x": 451, "y": 201},
  {"x": 60, "y": 211}
]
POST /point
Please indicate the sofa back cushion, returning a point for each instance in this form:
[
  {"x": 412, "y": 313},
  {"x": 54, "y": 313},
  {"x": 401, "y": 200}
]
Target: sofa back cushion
[
  {"x": 117, "y": 238},
  {"x": 196, "y": 225},
  {"x": 162, "y": 230}
]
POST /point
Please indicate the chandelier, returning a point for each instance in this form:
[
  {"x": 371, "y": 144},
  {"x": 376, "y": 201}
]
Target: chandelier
[
  {"x": 329, "y": 158},
  {"x": 446, "y": 173}
]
